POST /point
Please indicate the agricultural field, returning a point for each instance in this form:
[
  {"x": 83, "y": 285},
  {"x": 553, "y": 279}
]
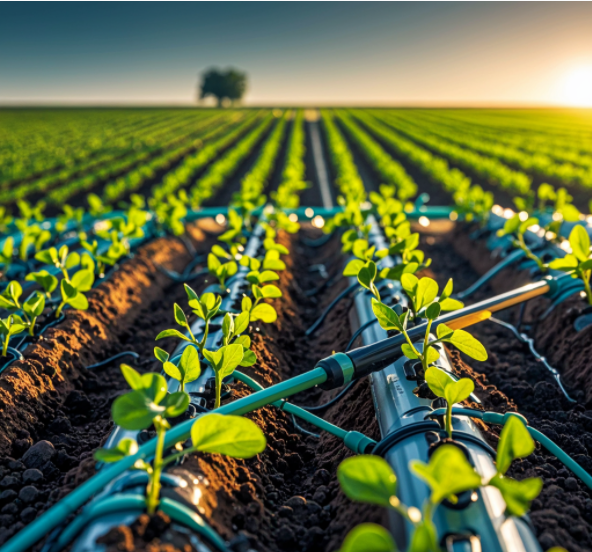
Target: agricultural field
[{"x": 280, "y": 330}]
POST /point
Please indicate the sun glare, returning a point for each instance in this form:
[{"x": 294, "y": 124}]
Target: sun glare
[{"x": 577, "y": 88}]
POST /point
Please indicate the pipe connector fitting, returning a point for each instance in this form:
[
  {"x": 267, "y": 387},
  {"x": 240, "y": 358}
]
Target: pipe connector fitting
[{"x": 339, "y": 369}]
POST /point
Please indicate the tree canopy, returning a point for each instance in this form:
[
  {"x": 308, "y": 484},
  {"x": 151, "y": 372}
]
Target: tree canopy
[{"x": 230, "y": 84}]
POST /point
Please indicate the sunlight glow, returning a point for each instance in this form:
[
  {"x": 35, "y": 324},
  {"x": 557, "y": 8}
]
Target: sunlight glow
[{"x": 577, "y": 88}]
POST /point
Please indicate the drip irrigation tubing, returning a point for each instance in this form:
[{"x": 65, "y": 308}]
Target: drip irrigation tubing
[
  {"x": 335, "y": 301},
  {"x": 111, "y": 359},
  {"x": 523, "y": 338}
]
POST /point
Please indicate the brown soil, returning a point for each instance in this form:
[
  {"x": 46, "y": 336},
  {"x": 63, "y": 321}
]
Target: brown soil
[
  {"x": 512, "y": 379},
  {"x": 50, "y": 396}
]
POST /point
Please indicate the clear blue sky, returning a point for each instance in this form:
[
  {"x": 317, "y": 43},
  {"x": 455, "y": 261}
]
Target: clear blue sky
[{"x": 295, "y": 53}]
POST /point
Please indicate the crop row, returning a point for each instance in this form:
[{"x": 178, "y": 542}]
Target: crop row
[
  {"x": 535, "y": 164},
  {"x": 491, "y": 170},
  {"x": 62, "y": 186}
]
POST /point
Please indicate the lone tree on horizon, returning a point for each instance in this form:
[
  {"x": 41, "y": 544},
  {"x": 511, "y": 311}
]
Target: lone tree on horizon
[{"x": 223, "y": 85}]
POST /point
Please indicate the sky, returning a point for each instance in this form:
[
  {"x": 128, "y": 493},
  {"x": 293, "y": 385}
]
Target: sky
[{"x": 323, "y": 53}]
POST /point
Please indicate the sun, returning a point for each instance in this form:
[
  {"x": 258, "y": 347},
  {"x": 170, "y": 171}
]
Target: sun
[{"x": 577, "y": 87}]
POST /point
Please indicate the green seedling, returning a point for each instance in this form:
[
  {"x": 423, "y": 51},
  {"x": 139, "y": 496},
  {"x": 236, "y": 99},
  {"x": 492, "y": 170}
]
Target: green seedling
[
  {"x": 424, "y": 298},
  {"x": 234, "y": 229},
  {"x": 258, "y": 310},
  {"x": 46, "y": 280},
  {"x": 73, "y": 290},
  {"x": 12, "y": 325},
  {"x": 170, "y": 213},
  {"x": 33, "y": 308},
  {"x": 221, "y": 270},
  {"x": 5, "y": 219},
  {"x": 7, "y": 252},
  {"x": 116, "y": 251},
  {"x": 515, "y": 442},
  {"x": 149, "y": 404},
  {"x": 186, "y": 370},
  {"x": 10, "y": 297},
  {"x": 578, "y": 263},
  {"x": 96, "y": 207},
  {"x": 454, "y": 391},
  {"x": 75, "y": 214},
  {"x": 224, "y": 361},
  {"x": 516, "y": 228},
  {"x": 473, "y": 203},
  {"x": 32, "y": 235},
  {"x": 204, "y": 307},
  {"x": 232, "y": 328},
  {"x": 370, "y": 479},
  {"x": 368, "y": 537},
  {"x": 61, "y": 259},
  {"x": 30, "y": 212}
]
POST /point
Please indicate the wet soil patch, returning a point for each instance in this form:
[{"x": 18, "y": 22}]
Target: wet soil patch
[
  {"x": 53, "y": 411},
  {"x": 288, "y": 498},
  {"x": 512, "y": 379}
]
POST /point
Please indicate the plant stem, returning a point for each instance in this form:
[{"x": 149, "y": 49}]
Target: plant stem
[
  {"x": 449, "y": 419},
  {"x": 218, "y": 390},
  {"x": 5, "y": 345},
  {"x": 424, "y": 356},
  {"x": 154, "y": 478},
  {"x": 530, "y": 254},
  {"x": 59, "y": 309},
  {"x": 586, "y": 279}
]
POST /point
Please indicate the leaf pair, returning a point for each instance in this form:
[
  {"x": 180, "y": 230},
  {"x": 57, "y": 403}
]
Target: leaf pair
[
  {"x": 259, "y": 311},
  {"x": 188, "y": 368},
  {"x": 225, "y": 360},
  {"x": 73, "y": 291},
  {"x": 424, "y": 296},
  {"x": 444, "y": 385},
  {"x": 46, "y": 280},
  {"x": 149, "y": 399},
  {"x": 220, "y": 270}
]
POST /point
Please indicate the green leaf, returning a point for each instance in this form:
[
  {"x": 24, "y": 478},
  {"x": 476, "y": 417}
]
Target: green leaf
[
  {"x": 232, "y": 436},
  {"x": 433, "y": 355},
  {"x": 175, "y": 404},
  {"x": 353, "y": 267},
  {"x": 580, "y": 243},
  {"x": 268, "y": 276},
  {"x": 408, "y": 351},
  {"x": 515, "y": 442},
  {"x": 72, "y": 260},
  {"x": 359, "y": 248},
  {"x": 232, "y": 356},
  {"x": 249, "y": 358},
  {"x": 433, "y": 311},
  {"x": 83, "y": 280},
  {"x": 387, "y": 317},
  {"x": 213, "y": 357},
  {"x": 227, "y": 325},
  {"x": 180, "y": 317},
  {"x": 273, "y": 264},
  {"x": 450, "y": 304},
  {"x": 219, "y": 252},
  {"x": 46, "y": 256},
  {"x": 213, "y": 263},
  {"x": 78, "y": 302},
  {"x": 459, "y": 391},
  {"x": 367, "y": 274},
  {"x": 517, "y": 494},
  {"x": 241, "y": 322},
  {"x": 68, "y": 290},
  {"x": 438, "y": 380},
  {"x": 34, "y": 305},
  {"x": 133, "y": 377},
  {"x": 172, "y": 333},
  {"x": 367, "y": 478},
  {"x": 154, "y": 386},
  {"x": 161, "y": 354},
  {"x": 447, "y": 474},
  {"x": 426, "y": 292},
  {"x": 125, "y": 447},
  {"x": 424, "y": 538},
  {"x": 243, "y": 340},
  {"x": 271, "y": 292},
  {"x": 465, "y": 342},
  {"x": 409, "y": 283},
  {"x": 512, "y": 224},
  {"x": 443, "y": 331},
  {"x": 246, "y": 304},
  {"x": 368, "y": 537},
  {"x": 135, "y": 410},
  {"x": 46, "y": 280},
  {"x": 172, "y": 370},
  {"x": 447, "y": 291},
  {"x": 567, "y": 263},
  {"x": 264, "y": 312},
  {"x": 6, "y": 303},
  {"x": 189, "y": 364}
]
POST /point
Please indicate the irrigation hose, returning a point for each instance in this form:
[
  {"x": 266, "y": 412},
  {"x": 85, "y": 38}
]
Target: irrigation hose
[
  {"x": 523, "y": 338},
  {"x": 501, "y": 419},
  {"x": 335, "y": 301},
  {"x": 111, "y": 359},
  {"x": 69, "y": 504}
]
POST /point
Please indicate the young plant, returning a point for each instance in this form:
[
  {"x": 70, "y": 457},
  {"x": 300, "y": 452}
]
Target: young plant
[
  {"x": 5, "y": 219},
  {"x": 204, "y": 307},
  {"x": 516, "y": 228},
  {"x": 33, "y": 308},
  {"x": 7, "y": 252},
  {"x": 188, "y": 368},
  {"x": 61, "y": 259},
  {"x": 224, "y": 361},
  {"x": 96, "y": 207},
  {"x": 232, "y": 328},
  {"x": 149, "y": 404},
  {"x": 75, "y": 214},
  {"x": 425, "y": 303},
  {"x": 32, "y": 235},
  {"x": 46, "y": 280},
  {"x": 370, "y": 479},
  {"x": 578, "y": 263},
  {"x": 10, "y": 297},
  {"x": 221, "y": 270},
  {"x": 12, "y": 325},
  {"x": 73, "y": 290}
]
